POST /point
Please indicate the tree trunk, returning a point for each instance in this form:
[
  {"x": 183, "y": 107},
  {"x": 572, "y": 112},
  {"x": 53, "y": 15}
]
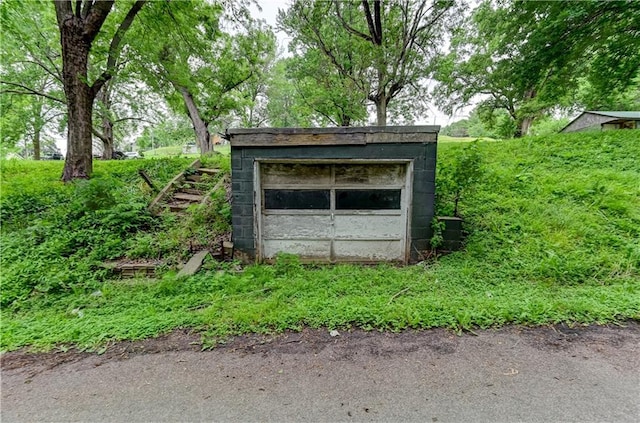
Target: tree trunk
[
  {"x": 36, "y": 143},
  {"x": 203, "y": 137},
  {"x": 107, "y": 141},
  {"x": 345, "y": 120},
  {"x": 79, "y": 96},
  {"x": 38, "y": 123},
  {"x": 381, "y": 110},
  {"x": 106, "y": 123},
  {"x": 525, "y": 125}
]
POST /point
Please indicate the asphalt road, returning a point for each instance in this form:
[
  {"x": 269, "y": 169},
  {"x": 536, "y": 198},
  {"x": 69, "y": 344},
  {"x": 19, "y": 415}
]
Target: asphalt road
[{"x": 508, "y": 375}]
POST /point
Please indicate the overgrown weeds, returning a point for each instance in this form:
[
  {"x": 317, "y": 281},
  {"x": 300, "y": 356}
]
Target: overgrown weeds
[{"x": 59, "y": 245}]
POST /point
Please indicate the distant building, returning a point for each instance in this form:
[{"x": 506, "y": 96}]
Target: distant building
[
  {"x": 598, "y": 120},
  {"x": 189, "y": 149}
]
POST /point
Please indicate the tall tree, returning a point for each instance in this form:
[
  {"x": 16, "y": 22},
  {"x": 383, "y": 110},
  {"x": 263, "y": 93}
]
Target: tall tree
[
  {"x": 199, "y": 63},
  {"x": 253, "y": 110},
  {"x": 79, "y": 23},
  {"x": 285, "y": 107},
  {"x": 590, "y": 96},
  {"x": 527, "y": 57},
  {"x": 123, "y": 106},
  {"x": 382, "y": 47},
  {"x": 335, "y": 100},
  {"x": 30, "y": 77}
]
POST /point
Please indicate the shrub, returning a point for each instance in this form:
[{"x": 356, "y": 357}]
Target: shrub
[{"x": 456, "y": 176}]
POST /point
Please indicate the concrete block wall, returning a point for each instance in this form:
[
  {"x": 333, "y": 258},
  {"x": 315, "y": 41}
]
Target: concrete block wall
[{"x": 423, "y": 198}]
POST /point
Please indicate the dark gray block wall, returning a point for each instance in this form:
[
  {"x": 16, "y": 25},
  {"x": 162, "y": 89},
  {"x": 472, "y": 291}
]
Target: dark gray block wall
[{"x": 424, "y": 167}]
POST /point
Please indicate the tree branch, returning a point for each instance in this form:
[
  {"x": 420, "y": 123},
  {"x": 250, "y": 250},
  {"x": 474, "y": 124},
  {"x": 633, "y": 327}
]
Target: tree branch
[
  {"x": 329, "y": 53},
  {"x": 63, "y": 9},
  {"x": 228, "y": 88},
  {"x": 97, "y": 14},
  {"x": 372, "y": 28},
  {"x": 348, "y": 27},
  {"x": 312, "y": 105},
  {"x": 102, "y": 137},
  {"x": 139, "y": 119},
  {"x": 115, "y": 46},
  {"x": 41, "y": 65},
  {"x": 85, "y": 9},
  {"x": 28, "y": 91},
  {"x": 377, "y": 15}
]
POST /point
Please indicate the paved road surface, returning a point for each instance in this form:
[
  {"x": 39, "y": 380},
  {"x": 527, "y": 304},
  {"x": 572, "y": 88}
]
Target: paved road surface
[{"x": 508, "y": 375}]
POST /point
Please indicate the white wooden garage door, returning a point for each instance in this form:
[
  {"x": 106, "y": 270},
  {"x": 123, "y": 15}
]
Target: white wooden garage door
[{"x": 334, "y": 211}]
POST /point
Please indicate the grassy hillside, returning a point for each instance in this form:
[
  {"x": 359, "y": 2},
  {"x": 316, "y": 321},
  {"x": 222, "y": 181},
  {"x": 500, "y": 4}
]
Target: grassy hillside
[
  {"x": 56, "y": 236},
  {"x": 176, "y": 150},
  {"x": 554, "y": 235},
  {"x": 564, "y": 208}
]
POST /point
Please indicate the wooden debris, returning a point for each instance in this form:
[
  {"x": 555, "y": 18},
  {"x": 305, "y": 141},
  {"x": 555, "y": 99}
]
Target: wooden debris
[
  {"x": 179, "y": 207},
  {"x": 194, "y": 264},
  {"x": 170, "y": 187},
  {"x": 227, "y": 249},
  {"x": 147, "y": 179},
  {"x": 194, "y": 178},
  {"x": 132, "y": 270}
]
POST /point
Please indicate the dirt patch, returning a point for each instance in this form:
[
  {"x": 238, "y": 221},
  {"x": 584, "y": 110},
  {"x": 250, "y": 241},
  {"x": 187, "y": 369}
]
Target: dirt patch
[
  {"x": 348, "y": 345},
  {"x": 178, "y": 340},
  {"x": 562, "y": 337},
  {"x": 345, "y": 345}
]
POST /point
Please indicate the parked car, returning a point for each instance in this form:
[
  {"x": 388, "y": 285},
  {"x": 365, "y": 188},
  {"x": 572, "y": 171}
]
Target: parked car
[
  {"x": 133, "y": 155},
  {"x": 52, "y": 156}
]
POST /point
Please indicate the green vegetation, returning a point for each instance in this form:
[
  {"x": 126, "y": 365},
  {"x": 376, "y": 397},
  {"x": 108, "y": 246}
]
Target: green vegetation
[
  {"x": 56, "y": 236},
  {"x": 446, "y": 138},
  {"x": 176, "y": 150},
  {"x": 554, "y": 230},
  {"x": 521, "y": 61}
]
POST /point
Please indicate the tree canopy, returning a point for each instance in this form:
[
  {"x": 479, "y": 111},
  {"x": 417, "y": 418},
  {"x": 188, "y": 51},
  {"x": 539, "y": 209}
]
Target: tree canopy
[
  {"x": 528, "y": 57},
  {"x": 105, "y": 71},
  {"x": 377, "y": 49}
]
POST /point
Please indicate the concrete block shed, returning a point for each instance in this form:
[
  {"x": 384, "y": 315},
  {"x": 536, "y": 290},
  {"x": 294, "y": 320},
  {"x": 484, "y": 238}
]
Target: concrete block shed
[{"x": 343, "y": 194}]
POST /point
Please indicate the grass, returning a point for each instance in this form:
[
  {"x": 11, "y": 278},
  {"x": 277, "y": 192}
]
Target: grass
[
  {"x": 268, "y": 299},
  {"x": 554, "y": 236},
  {"x": 447, "y": 138},
  {"x": 176, "y": 150}
]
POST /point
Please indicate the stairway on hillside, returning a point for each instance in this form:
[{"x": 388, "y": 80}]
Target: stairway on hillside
[
  {"x": 193, "y": 190},
  {"x": 191, "y": 187}
]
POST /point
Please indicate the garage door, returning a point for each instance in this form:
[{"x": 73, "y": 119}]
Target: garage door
[{"x": 334, "y": 211}]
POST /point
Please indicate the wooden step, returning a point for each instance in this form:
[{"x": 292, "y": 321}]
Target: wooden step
[
  {"x": 177, "y": 207},
  {"x": 209, "y": 171},
  {"x": 188, "y": 197},
  {"x": 194, "y": 178},
  {"x": 195, "y": 185},
  {"x": 193, "y": 191}
]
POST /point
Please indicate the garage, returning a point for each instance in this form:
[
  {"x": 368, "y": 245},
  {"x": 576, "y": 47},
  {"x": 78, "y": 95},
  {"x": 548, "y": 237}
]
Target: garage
[
  {"x": 334, "y": 211},
  {"x": 333, "y": 194}
]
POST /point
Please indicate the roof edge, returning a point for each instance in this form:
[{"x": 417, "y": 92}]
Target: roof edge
[{"x": 336, "y": 130}]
